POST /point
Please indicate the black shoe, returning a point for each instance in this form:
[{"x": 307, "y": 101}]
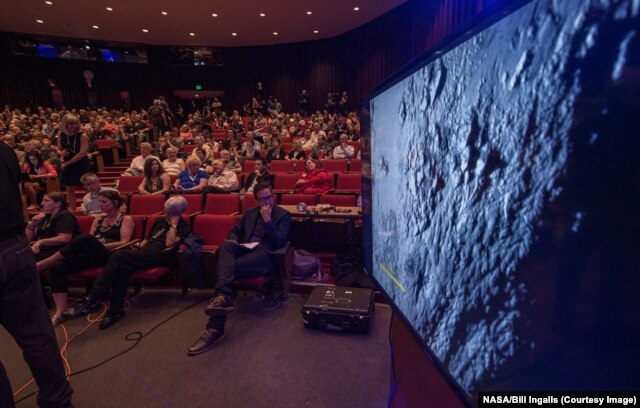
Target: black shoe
[
  {"x": 209, "y": 338},
  {"x": 219, "y": 305},
  {"x": 110, "y": 319},
  {"x": 271, "y": 301},
  {"x": 87, "y": 305}
]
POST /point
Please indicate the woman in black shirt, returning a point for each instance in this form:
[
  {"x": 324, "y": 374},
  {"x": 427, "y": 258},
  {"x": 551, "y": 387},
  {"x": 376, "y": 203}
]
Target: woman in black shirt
[
  {"x": 52, "y": 228},
  {"x": 88, "y": 251},
  {"x": 73, "y": 147}
]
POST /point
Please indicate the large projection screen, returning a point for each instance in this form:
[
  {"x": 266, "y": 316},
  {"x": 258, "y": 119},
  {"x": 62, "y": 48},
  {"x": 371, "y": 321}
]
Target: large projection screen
[{"x": 502, "y": 221}]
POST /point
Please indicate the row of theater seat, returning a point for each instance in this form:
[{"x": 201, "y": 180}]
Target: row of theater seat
[
  {"x": 213, "y": 229},
  {"x": 233, "y": 203}
]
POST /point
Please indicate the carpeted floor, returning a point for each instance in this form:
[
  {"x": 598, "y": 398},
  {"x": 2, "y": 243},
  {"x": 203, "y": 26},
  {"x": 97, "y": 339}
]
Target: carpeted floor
[{"x": 268, "y": 359}]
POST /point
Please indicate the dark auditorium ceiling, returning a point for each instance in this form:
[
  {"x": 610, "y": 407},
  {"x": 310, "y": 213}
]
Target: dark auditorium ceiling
[{"x": 127, "y": 19}]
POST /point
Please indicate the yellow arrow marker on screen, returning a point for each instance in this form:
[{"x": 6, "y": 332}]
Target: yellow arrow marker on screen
[{"x": 393, "y": 278}]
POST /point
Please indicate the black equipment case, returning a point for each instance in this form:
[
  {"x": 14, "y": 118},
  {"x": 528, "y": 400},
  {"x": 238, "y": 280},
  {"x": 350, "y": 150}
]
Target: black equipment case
[{"x": 339, "y": 308}]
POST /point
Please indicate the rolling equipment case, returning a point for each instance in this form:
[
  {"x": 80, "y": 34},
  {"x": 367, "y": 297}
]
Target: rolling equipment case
[{"x": 339, "y": 308}]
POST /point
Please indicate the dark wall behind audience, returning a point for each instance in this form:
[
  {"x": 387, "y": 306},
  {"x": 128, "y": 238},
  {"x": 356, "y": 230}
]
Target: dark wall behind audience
[{"x": 356, "y": 62}]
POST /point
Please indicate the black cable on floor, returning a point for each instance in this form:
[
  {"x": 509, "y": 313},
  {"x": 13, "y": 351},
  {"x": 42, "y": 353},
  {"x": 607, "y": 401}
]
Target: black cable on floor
[
  {"x": 394, "y": 383},
  {"x": 135, "y": 336}
]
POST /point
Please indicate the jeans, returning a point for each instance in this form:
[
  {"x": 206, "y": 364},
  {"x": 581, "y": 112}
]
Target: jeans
[{"x": 24, "y": 315}]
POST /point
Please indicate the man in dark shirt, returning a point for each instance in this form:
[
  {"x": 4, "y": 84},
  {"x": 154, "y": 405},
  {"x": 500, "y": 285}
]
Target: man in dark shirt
[
  {"x": 22, "y": 309},
  {"x": 246, "y": 253}
]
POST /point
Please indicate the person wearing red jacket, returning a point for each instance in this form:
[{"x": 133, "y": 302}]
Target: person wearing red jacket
[{"x": 315, "y": 180}]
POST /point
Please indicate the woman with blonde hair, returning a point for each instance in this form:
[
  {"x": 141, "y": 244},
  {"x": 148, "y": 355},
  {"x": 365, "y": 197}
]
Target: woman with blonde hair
[{"x": 73, "y": 146}]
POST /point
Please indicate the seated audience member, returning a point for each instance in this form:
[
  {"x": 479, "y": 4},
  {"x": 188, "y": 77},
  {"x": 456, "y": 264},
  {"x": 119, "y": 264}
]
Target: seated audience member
[
  {"x": 251, "y": 143},
  {"x": 173, "y": 165},
  {"x": 317, "y": 132},
  {"x": 156, "y": 180},
  {"x": 309, "y": 142},
  {"x": 332, "y": 142},
  {"x": 322, "y": 149},
  {"x": 268, "y": 225},
  {"x": 221, "y": 180},
  {"x": 185, "y": 132},
  {"x": 158, "y": 249},
  {"x": 234, "y": 152},
  {"x": 250, "y": 153},
  {"x": 275, "y": 152},
  {"x": 91, "y": 202},
  {"x": 205, "y": 164},
  {"x": 231, "y": 135},
  {"x": 315, "y": 180},
  {"x": 230, "y": 162},
  {"x": 52, "y": 228},
  {"x": 344, "y": 151},
  {"x": 191, "y": 180},
  {"x": 200, "y": 144},
  {"x": 136, "y": 168},
  {"x": 297, "y": 153},
  {"x": 88, "y": 251},
  {"x": 39, "y": 171},
  {"x": 260, "y": 175}
]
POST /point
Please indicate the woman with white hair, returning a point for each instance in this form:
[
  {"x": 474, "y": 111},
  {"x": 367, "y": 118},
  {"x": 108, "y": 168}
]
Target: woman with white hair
[
  {"x": 157, "y": 249},
  {"x": 191, "y": 180},
  {"x": 173, "y": 165}
]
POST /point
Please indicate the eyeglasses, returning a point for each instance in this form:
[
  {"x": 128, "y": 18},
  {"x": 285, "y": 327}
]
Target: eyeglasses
[{"x": 265, "y": 198}]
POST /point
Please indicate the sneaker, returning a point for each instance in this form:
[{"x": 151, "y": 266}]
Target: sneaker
[
  {"x": 219, "y": 305},
  {"x": 207, "y": 340}
]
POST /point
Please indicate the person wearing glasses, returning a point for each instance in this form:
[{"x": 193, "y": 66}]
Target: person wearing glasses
[
  {"x": 91, "y": 200},
  {"x": 244, "y": 254}
]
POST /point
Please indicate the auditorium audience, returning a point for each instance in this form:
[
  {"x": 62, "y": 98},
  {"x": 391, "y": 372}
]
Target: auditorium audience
[
  {"x": 87, "y": 251},
  {"x": 275, "y": 152}
]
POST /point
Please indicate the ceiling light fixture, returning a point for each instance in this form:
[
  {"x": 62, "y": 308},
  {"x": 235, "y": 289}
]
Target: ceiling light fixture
[{"x": 39, "y": 21}]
